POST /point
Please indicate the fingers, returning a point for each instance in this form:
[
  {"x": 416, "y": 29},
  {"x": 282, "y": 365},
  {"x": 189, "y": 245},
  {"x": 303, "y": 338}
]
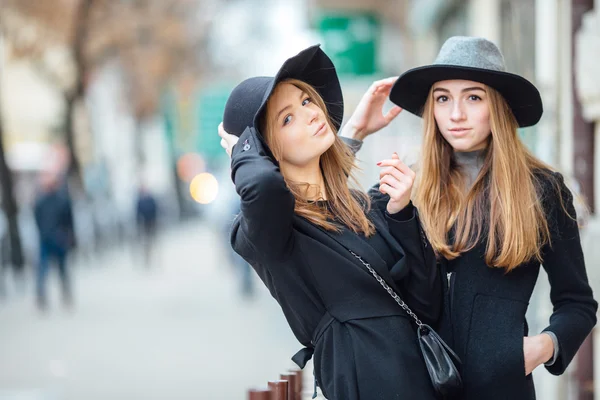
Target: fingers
[
  {"x": 226, "y": 146},
  {"x": 396, "y": 174},
  {"x": 393, "y": 113},
  {"x": 222, "y": 133},
  {"x": 227, "y": 140},
  {"x": 389, "y": 190},
  {"x": 397, "y": 164},
  {"x": 383, "y": 85},
  {"x": 401, "y": 186},
  {"x": 387, "y": 82}
]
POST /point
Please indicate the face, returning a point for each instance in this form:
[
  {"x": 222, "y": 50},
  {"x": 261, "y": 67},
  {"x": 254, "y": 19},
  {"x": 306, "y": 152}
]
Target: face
[
  {"x": 462, "y": 113},
  {"x": 299, "y": 125}
]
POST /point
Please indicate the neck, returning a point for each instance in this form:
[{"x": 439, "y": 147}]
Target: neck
[{"x": 310, "y": 174}]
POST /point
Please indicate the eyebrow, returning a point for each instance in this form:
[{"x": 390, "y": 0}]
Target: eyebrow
[
  {"x": 464, "y": 90},
  {"x": 288, "y": 106}
]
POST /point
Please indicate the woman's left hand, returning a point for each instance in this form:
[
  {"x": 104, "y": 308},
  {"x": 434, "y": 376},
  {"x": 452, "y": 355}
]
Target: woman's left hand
[
  {"x": 396, "y": 180},
  {"x": 537, "y": 350},
  {"x": 368, "y": 117}
]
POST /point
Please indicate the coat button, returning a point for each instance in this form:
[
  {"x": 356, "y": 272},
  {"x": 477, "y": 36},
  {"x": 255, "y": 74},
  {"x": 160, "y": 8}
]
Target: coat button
[{"x": 246, "y": 145}]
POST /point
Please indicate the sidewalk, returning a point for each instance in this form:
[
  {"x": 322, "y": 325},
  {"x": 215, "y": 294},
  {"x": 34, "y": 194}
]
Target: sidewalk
[{"x": 177, "y": 330}]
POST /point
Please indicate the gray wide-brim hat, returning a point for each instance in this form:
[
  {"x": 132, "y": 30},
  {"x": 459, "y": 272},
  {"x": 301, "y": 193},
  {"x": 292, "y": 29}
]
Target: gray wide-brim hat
[
  {"x": 247, "y": 102},
  {"x": 474, "y": 59}
]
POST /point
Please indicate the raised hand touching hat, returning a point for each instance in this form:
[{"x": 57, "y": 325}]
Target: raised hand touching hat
[{"x": 368, "y": 117}]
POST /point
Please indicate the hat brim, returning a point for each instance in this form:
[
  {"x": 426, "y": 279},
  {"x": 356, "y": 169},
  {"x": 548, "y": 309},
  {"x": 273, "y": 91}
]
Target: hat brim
[
  {"x": 411, "y": 89},
  {"x": 314, "y": 67}
]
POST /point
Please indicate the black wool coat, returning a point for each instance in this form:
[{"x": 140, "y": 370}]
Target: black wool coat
[
  {"x": 364, "y": 344},
  {"x": 484, "y": 312}
]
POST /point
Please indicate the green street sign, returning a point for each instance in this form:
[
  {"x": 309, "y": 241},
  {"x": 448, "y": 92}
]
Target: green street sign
[
  {"x": 211, "y": 105},
  {"x": 351, "y": 40}
]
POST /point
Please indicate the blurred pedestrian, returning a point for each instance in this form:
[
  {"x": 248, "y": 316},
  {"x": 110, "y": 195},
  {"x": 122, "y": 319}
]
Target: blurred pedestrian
[
  {"x": 146, "y": 216},
  {"x": 54, "y": 220},
  {"x": 300, "y": 222}
]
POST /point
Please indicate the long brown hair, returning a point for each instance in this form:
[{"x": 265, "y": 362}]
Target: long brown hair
[
  {"x": 505, "y": 200},
  {"x": 345, "y": 206}
]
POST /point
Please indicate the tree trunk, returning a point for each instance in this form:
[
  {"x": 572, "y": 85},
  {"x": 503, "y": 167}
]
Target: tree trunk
[
  {"x": 74, "y": 165},
  {"x": 79, "y": 41},
  {"x": 9, "y": 205}
]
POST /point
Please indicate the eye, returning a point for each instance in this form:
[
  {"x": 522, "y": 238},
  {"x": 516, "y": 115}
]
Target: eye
[
  {"x": 306, "y": 101},
  {"x": 442, "y": 99},
  {"x": 474, "y": 97},
  {"x": 287, "y": 119}
]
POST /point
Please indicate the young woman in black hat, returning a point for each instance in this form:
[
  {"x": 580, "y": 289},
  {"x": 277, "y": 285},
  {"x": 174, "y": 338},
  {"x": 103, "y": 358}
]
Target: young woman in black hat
[
  {"x": 309, "y": 235},
  {"x": 493, "y": 213}
]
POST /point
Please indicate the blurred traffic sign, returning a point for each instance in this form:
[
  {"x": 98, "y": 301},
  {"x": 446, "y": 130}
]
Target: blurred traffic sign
[{"x": 351, "y": 40}]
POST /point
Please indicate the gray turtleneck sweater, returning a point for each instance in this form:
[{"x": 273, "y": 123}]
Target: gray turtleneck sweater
[{"x": 470, "y": 162}]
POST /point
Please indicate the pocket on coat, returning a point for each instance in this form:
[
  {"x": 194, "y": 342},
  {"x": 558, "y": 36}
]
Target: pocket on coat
[{"x": 494, "y": 355}]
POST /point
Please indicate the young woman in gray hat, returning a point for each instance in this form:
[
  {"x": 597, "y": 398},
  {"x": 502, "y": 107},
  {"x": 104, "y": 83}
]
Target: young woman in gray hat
[
  {"x": 312, "y": 239},
  {"x": 493, "y": 213}
]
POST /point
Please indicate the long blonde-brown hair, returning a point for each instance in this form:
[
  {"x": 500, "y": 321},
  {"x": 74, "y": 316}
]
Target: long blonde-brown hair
[
  {"x": 505, "y": 199},
  {"x": 345, "y": 206}
]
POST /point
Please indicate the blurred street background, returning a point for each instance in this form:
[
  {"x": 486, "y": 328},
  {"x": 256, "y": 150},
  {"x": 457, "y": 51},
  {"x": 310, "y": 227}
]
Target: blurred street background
[{"x": 116, "y": 276}]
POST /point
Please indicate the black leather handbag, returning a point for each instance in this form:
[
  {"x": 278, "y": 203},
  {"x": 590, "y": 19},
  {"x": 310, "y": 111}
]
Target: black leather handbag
[{"x": 442, "y": 363}]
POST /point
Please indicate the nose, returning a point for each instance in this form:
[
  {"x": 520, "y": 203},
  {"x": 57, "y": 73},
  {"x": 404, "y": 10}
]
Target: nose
[
  {"x": 312, "y": 114},
  {"x": 457, "y": 113}
]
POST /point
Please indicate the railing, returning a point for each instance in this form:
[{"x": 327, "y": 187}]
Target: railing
[{"x": 288, "y": 387}]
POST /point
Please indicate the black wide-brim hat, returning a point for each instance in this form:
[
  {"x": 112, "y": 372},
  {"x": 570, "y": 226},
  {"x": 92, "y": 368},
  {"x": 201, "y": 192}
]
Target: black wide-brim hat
[
  {"x": 246, "y": 103},
  {"x": 473, "y": 59}
]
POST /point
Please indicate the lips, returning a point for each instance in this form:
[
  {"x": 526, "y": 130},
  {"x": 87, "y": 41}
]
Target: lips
[
  {"x": 321, "y": 129},
  {"x": 459, "y": 132}
]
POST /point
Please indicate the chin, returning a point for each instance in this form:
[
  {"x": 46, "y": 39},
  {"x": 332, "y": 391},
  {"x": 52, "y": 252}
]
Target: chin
[
  {"x": 462, "y": 146},
  {"x": 322, "y": 147}
]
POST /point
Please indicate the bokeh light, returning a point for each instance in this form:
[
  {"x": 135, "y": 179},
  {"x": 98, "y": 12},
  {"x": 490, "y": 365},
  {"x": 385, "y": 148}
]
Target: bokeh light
[{"x": 204, "y": 188}]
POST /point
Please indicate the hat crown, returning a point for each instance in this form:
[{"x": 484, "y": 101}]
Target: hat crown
[{"x": 473, "y": 52}]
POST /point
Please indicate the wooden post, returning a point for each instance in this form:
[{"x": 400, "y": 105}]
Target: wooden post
[
  {"x": 279, "y": 390},
  {"x": 259, "y": 394}
]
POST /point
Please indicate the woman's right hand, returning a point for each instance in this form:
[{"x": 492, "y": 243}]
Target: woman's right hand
[
  {"x": 227, "y": 140},
  {"x": 396, "y": 180}
]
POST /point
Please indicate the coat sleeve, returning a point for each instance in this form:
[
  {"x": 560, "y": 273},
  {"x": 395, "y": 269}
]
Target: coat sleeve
[
  {"x": 263, "y": 230},
  {"x": 574, "y": 313},
  {"x": 353, "y": 144},
  {"x": 422, "y": 288}
]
